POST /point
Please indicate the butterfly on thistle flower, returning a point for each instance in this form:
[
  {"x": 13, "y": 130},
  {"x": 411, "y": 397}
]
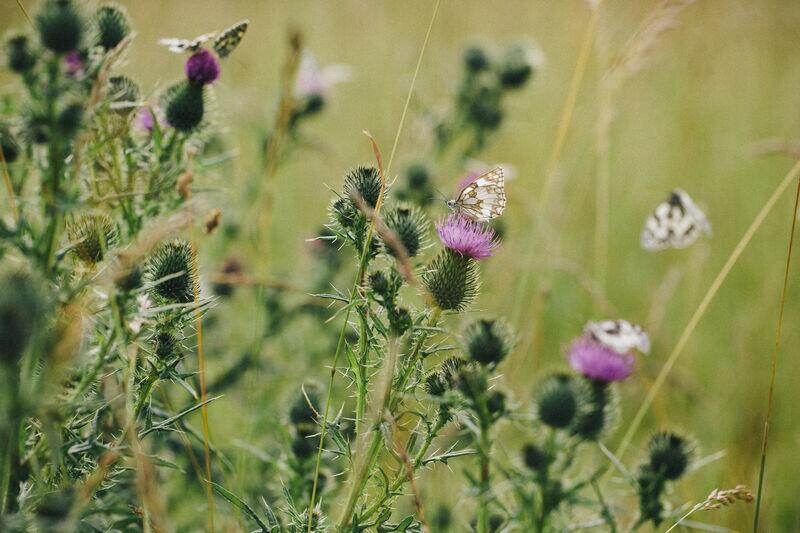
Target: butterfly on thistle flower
[
  {"x": 675, "y": 223},
  {"x": 619, "y": 335},
  {"x": 224, "y": 42},
  {"x": 482, "y": 197}
]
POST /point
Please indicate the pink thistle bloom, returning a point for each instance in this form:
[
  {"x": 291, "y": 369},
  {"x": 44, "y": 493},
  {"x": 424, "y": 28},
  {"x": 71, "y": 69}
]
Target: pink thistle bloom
[
  {"x": 313, "y": 80},
  {"x": 599, "y": 362},
  {"x": 467, "y": 237},
  {"x": 202, "y": 68},
  {"x": 144, "y": 119},
  {"x": 73, "y": 64}
]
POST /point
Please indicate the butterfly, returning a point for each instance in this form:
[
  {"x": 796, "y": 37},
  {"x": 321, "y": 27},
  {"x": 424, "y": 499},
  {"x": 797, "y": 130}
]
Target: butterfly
[
  {"x": 482, "y": 198},
  {"x": 675, "y": 223},
  {"x": 224, "y": 42},
  {"x": 619, "y": 335}
]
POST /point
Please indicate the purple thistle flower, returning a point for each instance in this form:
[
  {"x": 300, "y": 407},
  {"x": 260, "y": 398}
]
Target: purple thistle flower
[
  {"x": 202, "y": 68},
  {"x": 467, "y": 237},
  {"x": 599, "y": 362},
  {"x": 73, "y": 64},
  {"x": 144, "y": 118}
]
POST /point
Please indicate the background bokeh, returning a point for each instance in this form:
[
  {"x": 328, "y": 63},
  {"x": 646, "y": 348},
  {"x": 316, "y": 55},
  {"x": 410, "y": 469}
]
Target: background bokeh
[{"x": 727, "y": 75}]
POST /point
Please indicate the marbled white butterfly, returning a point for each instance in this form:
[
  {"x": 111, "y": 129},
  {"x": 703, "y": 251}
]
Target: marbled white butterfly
[
  {"x": 619, "y": 335},
  {"x": 675, "y": 223},
  {"x": 224, "y": 42},
  {"x": 483, "y": 198}
]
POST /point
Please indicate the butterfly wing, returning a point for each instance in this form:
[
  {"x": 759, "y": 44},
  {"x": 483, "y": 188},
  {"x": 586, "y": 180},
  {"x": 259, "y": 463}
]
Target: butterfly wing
[
  {"x": 619, "y": 335},
  {"x": 227, "y": 41},
  {"x": 180, "y": 46},
  {"x": 676, "y": 223},
  {"x": 484, "y": 198}
]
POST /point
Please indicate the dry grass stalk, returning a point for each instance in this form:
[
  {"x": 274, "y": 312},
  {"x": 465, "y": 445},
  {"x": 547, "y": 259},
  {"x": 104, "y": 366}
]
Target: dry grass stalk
[
  {"x": 773, "y": 146},
  {"x": 718, "y": 499}
]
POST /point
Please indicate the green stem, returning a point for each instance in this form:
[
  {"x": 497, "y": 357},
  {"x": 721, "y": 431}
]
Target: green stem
[{"x": 606, "y": 511}]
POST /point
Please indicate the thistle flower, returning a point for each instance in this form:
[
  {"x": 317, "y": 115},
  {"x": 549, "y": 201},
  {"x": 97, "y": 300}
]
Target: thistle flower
[
  {"x": 601, "y": 412},
  {"x": 669, "y": 454},
  {"x": 172, "y": 272},
  {"x": 73, "y": 64},
  {"x": 599, "y": 362},
  {"x": 112, "y": 25},
  {"x": 363, "y": 181},
  {"x": 411, "y": 227},
  {"x": 535, "y": 457},
  {"x": 519, "y": 65},
  {"x": 467, "y": 237},
  {"x": 164, "y": 344},
  {"x": 444, "y": 378},
  {"x": 184, "y": 105},
  {"x": 487, "y": 341},
  {"x": 476, "y": 59},
  {"x": 559, "y": 401},
  {"x": 202, "y": 68},
  {"x": 313, "y": 80},
  {"x": 60, "y": 26},
  {"x": 92, "y": 236},
  {"x": 144, "y": 118},
  {"x": 452, "y": 280},
  {"x": 20, "y": 57}
]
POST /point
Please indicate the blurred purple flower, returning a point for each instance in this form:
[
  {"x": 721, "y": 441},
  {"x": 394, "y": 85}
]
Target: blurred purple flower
[
  {"x": 599, "y": 362},
  {"x": 202, "y": 67},
  {"x": 73, "y": 64},
  {"x": 144, "y": 118},
  {"x": 467, "y": 237},
  {"x": 313, "y": 80}
]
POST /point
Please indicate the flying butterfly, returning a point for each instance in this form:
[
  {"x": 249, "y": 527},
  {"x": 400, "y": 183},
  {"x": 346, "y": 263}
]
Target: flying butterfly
[
  {"x": 482, "y": 198},
  {"x": 675, "y": 223},
  {"x": 224, "y": 42},
  {"x": 619, "y": 335}
]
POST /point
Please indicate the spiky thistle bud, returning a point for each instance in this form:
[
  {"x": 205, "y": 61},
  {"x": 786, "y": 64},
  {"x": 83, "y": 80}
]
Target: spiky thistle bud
[
  {"x": 21, "y": 58},
  {"x": 399, "y": 320},
  {"x": 558, "y": 401},
  {"x": 172, "y": 272},
  {"x": 164, "y": 344},
  {"x": 496, "y": 403},
  {"x": 184, "y": 105},
  {"x": 122, "y": 89},
  {"x": 535, "y": 457},
  {"x": 70, "y": 119},
  {"x": 669, "y": 454},
  {"x": 8, "y": 143},
  {"x": 452, "y": 280},
  {"x": 601, "y": 411},
  {"x": 650, "y": 486},
  {"x": 518, "y": 66},
  {"x": 484, "y": 110},
  {"x": 60, "y": 26},
  {"x": 344, "y": 213},
  {"x": 411, "y": 227},
  {"x": 23, "y": 303},
  {"x": 444, "y": 378},
  {"x": 112, "y": 25},
  {"x": 487, "y": 341},
  {"x": 92, "y": 236},
  {"x": 363, "y": 181},
  {"x": 379, "y": 284},
  {"x": 476, "y": 59},
  {"x": 472, "y": 381}
]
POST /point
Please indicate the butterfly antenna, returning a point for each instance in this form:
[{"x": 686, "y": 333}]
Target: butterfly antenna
[{"x": 442, "y": 195}]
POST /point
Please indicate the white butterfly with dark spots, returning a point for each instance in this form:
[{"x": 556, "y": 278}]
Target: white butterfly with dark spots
[
  {"x": 225, "y": 41},
  {"x": 483, "y": 197},
  {"x": 619, "y": 335},
  {"x": 675, "y": 223}
]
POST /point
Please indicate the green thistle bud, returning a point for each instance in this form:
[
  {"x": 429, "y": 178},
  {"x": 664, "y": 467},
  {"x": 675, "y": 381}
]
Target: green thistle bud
[
  {"x": 650, "y": 487},
  {"x": 379, "y": 284},
  {"x": 484, "y": 110},
  {"x": 669, "y": 455},
  {"x": 70, "y": 119},
  {"x": 444, "y": 378},
  {"x": 21, "y": 58},
  {"x": 164, "y": 344},
  {"x": 496, "y": 403},
  {"x": 364, "y": 181},
  {"x": 8, "y": 144},
  {"x": 516, "y": 69},
  {"x": 112, "y": 25},
  {"x": 411, "y": 227},
  {"x": 92, "y": 235},
  {"x": 60, "y": 26},
  {"x": 345, "y": 213},
  {"x": 487, "y": 341},
  {"x": 399, "y": 320},
  {"x": 122, "y": 89},
  {"x": 418, "y": 176},
  {"x": 476, "y": 59},
  {"x": 536, "y": 458},
  {"x": 452, "y": 280},
  {"x": 173, "y": 260},
  {"x": 128, "y": 276},
  {"x": 472, "y": 381},
  {"x": 184, "y": 105},
  {"x": 22, "y": 305},
  {"x": 36, "y": 127},
  {"x": 558, "y": 402},
  {"x": 601, "y": 412}
]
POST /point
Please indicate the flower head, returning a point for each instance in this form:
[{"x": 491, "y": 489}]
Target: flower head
[
  {"x": 202, "y": 68},
  {"x": 313, "y": 80},
  {"x": 467, "y": 237},
  {"x": 599, "y": 362},
  {"x": 73, "y": 64}
]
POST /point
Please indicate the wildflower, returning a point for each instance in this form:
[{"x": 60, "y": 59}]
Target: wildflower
[
  {"x": 467, "y": 237},
  {"x": 411, "y": 228},
  {"x": 164, "y": 344},
  {"x": 452, "y": 280},
  {"x": 60, "y": 26},
  {"x": 313, "y": 80},
  {"x": 92, "y": 236},
  {"x": 598, "y": 362},
  {"x": 172, "y": 272},
  {"x": 487, "y": 341},
  {"x": 112, "y": 25},
  {"x": 519, "y": 65},
  {"x": 184, "y": 106},
  {"x": 21, "y": 58},
  {"x": 363, "y": 181},
  {"x": 144, "y": 118},
  {"x": 669, "y": 454},
  {"x": 558, "y": 401},
  {"x": 202, "y": 68},
  {"x": 73, "y": 63},
  {"x": 535, "y": 457},
  {"x": 476, "y": 59},
  {"x": 601, "y": 412}
]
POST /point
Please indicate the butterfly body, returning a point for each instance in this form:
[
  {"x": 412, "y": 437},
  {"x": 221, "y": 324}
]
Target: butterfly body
[
  {"x": 482, "y": 198},
  {"x": 675, "y": 223},
  {"x": 224, "y": 42},
  {"x": 619, "y": 335}
]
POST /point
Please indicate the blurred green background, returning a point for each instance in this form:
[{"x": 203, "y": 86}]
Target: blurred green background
[{"x": 727, "y": 75}]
